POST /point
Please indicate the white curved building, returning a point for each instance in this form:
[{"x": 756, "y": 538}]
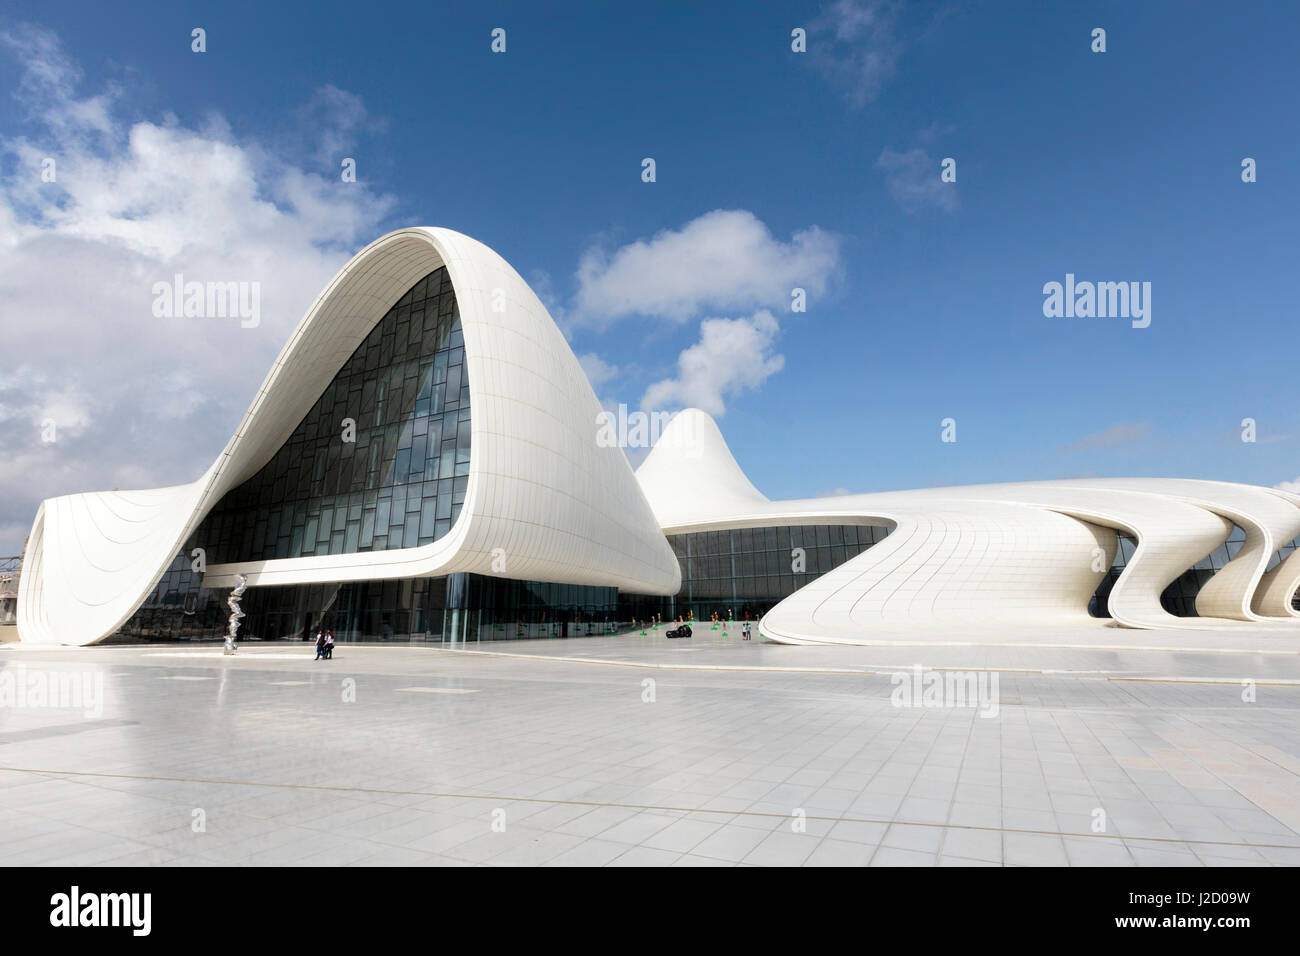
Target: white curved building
[
  {"x": 538, "y": 498},
  {"x": 1032, "y": 553},
  {"x": 448, "y": 483}
]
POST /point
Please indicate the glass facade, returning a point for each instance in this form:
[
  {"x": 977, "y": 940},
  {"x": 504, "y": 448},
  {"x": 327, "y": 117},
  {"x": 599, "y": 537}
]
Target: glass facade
[
  {"x": 742, "y": 571},
  {"x": 746, "y": 571},
  {"x": 451, "y": 608},
  {"x": 400, "y": 484},
  {"x": 736, "y": 572},
  {"x": 178, "y": 608}
]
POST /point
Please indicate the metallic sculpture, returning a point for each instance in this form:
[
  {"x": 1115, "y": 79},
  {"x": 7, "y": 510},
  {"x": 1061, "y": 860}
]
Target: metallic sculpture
[{"x": 236, "y": 614}]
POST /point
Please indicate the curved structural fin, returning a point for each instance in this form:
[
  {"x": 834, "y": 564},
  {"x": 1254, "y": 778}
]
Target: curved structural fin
[
  {"x": 1267, "y": 520},
  {"x": 1278, "y": 588}
]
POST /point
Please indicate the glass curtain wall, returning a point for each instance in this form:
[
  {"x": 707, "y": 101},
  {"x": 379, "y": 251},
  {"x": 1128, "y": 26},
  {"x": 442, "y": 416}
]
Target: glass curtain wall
[
  {"x": 743, "y": 572},
  {"x": 381, "y": 461}
]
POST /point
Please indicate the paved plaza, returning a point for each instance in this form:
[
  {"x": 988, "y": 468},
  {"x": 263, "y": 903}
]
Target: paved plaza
[{"x": 1103, "y": 746}]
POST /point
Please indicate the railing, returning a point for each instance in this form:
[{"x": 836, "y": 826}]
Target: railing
[{"x": 9, "y": 571}]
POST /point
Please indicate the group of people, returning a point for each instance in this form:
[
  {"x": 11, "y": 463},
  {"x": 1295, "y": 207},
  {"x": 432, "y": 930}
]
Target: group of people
[
  {"x": 724, "y": 621},
  {"x": 716, "y": 619},
  {"x": 324, "y": 643}
]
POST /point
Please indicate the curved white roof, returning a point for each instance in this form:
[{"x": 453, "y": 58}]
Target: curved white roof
[{"x": 557, "y": 505}]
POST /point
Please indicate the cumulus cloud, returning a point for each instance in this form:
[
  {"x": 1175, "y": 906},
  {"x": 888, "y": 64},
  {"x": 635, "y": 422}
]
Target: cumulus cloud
[
  {"x": 913, "y": 180},
  {"x": 1120, "y": 434},
  {"x": 724, "y": 261},
  {"x": 732, "y": 356},
  {"x": 1292, "y": 486},
  {"x": 138, "y": 400},
  {"x": 856, "y": 45}
]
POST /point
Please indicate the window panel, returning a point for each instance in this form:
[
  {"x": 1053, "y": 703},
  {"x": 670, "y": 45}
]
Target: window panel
[{"x": 427, "y": 517}]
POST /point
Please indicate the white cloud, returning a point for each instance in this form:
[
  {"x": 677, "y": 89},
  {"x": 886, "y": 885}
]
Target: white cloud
[
  {"x": 138, "y": 400},
  {"x": 1291, "y": 486},
  {"x": 732, "y": 356},
  {"x": 726, "y": 260},
  {"x": 855, "y": 44},
  {"x": 913, "y": 178}
]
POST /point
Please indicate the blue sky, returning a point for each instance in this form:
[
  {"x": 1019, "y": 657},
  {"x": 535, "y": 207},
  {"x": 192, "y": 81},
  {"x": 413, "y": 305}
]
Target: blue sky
[{"x": 1115, "y": 166}]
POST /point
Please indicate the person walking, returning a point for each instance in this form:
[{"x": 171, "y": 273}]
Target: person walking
[
  {"x": 329, "y": 644},
  {"x": 320, "y": 643}
]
